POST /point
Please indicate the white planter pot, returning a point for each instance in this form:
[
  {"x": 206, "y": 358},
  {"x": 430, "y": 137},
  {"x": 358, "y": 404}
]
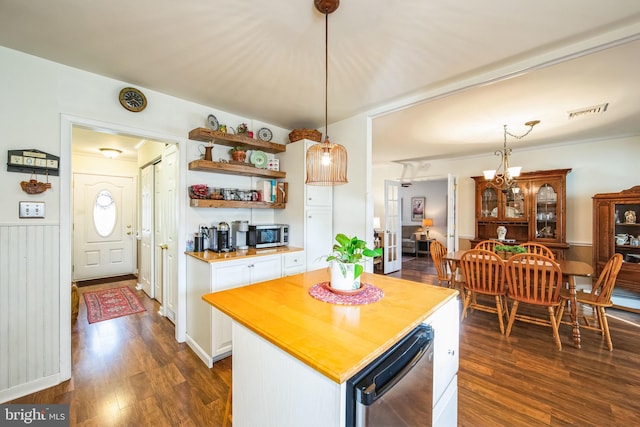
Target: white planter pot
[{"x": 344, "y": 282}]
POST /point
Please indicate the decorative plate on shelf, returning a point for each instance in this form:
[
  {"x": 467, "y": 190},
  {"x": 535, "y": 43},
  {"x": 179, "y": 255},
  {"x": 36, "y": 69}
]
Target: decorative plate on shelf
[
  {"x": 265, "y": 134},
  {"x": 259, "y": 159},
  {"x": 212, "y": 122}
]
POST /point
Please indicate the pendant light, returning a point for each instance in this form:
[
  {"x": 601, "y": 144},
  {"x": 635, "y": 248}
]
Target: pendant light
[
  {"x": 326, "y": 161},
  {"x": 505, "y": 177}
]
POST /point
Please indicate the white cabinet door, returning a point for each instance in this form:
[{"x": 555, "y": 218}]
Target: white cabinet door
[
  {"x": 233, "y": 274},
  {"x": 293, "y": 263},
  {"x": 446, "y": 328},
  {"x": 265, "y": 268},
  {"x": 225, "y": 275},
  {"x": 319, "y": 237}
]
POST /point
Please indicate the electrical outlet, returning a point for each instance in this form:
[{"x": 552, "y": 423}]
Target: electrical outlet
[{"x": 31, "y": 209}]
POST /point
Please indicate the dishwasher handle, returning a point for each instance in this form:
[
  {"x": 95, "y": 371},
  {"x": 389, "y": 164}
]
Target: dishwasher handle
[{"x": 381, "y": 382}]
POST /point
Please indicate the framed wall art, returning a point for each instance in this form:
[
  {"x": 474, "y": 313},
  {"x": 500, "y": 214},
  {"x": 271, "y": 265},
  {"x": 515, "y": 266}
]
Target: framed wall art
[{"x": 417, "y": 208}]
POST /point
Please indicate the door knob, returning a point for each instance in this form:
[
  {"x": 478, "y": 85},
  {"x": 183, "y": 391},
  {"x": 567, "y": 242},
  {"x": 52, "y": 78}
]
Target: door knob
[{"x": 128, "y": 233}]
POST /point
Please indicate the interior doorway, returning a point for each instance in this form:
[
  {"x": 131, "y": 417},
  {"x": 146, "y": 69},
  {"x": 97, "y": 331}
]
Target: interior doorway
[{"x": 113, "y": 207}]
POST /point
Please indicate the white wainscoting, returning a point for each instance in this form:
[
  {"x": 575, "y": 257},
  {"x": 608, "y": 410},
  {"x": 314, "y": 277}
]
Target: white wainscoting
[{"x": 29, "y": 308}]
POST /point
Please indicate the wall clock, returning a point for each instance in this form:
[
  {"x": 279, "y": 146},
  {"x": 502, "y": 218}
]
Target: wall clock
[{"x": 132, "y": 99}]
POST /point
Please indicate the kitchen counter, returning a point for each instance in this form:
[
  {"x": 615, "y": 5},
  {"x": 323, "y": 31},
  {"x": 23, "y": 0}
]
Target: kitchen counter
[
  {"x": 335, "y": 340},
  {"x": 211, "y": 256}
]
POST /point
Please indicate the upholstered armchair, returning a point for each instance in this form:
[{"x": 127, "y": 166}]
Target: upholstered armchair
[{"x": 409, "y": 245}]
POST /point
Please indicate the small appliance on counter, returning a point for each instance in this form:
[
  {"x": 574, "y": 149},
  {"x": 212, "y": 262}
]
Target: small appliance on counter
[
  {"x": 239, "y": 231},
  {"x": 224, "y": 238},
  {"x": 206, "y": 237},
  {"x": 197, "y": 242},
  {"x": 268, "y": 236}
]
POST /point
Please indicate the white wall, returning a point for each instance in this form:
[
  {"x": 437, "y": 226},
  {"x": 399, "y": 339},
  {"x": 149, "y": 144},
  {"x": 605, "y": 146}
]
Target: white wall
[
  {"x": 353, "y": 213},
  {"x": 435, "y": 192},
  {"x": 597, "y": 167},
  {"x": 39, "y": 99}
]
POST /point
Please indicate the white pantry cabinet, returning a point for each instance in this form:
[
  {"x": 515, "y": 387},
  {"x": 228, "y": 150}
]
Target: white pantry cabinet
[
  {"x": 309, "y": 210},
  {"x": 209, "y": 330}
]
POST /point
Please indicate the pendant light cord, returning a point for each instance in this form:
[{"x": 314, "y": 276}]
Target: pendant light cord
[{"x": 326, "y": 75}]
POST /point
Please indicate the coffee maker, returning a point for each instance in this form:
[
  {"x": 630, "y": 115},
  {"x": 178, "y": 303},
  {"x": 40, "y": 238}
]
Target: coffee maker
[
  {"x": 224, "y": 238},
  {"x": 239, "y": 231}
]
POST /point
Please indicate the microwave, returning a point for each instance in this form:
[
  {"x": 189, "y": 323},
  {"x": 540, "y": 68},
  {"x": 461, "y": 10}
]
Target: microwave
[{"x": 268, "y": 236}]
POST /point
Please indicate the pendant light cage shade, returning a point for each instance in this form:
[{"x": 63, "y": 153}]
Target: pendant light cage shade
[{"x": 326, "y": 164}]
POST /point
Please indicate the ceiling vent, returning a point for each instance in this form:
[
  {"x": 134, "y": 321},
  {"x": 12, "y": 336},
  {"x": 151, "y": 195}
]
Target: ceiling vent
[{"x": 596, "y": 109}]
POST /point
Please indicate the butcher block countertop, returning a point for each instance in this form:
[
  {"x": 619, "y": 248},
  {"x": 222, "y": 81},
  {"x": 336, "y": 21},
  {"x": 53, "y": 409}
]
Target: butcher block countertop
[
  {"x": 211, "y": 256},
  {"x": 335, "y": 340}
]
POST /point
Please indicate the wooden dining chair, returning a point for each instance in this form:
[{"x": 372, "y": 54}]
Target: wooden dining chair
[
  {"x": 487, "y": 245},
  {"x": 483, "y": 273},
  {"x": 535, "y": 280},
  {"x": 537, "y": 248},
  {"x": 438, "y": 251},
  {"x": 599, "y": 298}
]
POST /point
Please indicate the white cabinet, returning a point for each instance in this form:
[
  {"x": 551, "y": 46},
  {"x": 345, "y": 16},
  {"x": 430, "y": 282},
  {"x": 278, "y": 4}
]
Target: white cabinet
[
  {"x": 309, "y": 210},
  {"x": 319, "y": 238},
  {"x": 446, "y": 330},
  {"x": 209, "y": 330},
  {"x": 293, "y": 263}
]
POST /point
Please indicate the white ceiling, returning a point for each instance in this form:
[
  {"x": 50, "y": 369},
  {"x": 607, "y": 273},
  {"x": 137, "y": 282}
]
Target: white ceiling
[{"x": 265, "y": 60}]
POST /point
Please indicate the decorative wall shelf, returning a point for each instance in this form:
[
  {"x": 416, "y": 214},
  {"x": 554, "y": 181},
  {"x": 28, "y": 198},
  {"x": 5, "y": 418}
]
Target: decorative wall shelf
[
  {"x": 232, "y": 140},
  {"x": 234, "y": 169},
  {"x": 208, "y": 203}
]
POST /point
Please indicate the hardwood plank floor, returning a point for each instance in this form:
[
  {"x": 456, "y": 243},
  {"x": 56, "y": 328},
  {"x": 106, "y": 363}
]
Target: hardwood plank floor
[{"x": 131, "y": 371}]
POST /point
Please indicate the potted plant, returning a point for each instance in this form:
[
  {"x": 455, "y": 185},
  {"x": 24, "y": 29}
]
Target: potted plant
[
  {"x": 238, "y": 154},
  {"x": 346, "y": 262},
  {"x": 505, "y": 251},
  {"x": 242, "y": 128}
]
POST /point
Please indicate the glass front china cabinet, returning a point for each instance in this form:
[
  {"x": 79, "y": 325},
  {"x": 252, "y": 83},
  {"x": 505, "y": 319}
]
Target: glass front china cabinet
[
  {"x": 616, "y": 229},
  {"x": 532, "y": 211}
]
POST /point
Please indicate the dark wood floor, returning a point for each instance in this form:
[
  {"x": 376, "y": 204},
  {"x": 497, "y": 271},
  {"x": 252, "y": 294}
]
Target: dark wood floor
[{"x": 130, "y": 371}]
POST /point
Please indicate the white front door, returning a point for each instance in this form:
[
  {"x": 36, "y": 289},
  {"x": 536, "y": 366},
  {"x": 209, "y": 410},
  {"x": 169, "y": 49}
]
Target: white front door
[
  {"x": 145, "y": 270},
  {"x": 103, "y": 219},
  {"x": 393, "y": 232}
]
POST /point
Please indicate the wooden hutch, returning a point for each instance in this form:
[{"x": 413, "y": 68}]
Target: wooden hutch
[
  {"x": 533, "y": 211},
  {"x": 616, "y": 230}
]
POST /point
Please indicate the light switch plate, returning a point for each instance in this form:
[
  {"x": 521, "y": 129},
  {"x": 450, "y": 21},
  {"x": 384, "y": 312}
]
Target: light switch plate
[{"x": 31, "y": 209}]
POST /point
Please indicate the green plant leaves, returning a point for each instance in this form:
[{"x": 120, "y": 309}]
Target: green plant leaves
[{"x": 352, "y": 250}]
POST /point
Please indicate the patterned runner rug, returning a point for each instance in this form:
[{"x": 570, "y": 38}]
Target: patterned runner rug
[{"x": 111, "y": 303}]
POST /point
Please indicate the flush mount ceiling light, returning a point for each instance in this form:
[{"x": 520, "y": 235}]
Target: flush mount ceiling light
[
  {"x": 326, "y": 162},
  {"x": 111, "y": 153},
  {"x": 504, "y": 178}
]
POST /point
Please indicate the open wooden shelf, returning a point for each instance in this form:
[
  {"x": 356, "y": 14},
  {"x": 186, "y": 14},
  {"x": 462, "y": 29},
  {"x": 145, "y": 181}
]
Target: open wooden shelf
[
  {"x": 234, "y": 169},
  {"x": 232, "y": 140},
  {"x": 209, "y": 203}
]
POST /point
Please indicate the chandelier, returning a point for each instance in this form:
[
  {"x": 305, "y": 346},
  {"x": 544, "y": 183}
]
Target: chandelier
[
  {"x": 505, "y": 177},
  {"x": 326, "y": 162}
]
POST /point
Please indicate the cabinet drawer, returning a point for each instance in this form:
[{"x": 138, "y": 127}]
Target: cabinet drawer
[{"x": 293, "y": 260}]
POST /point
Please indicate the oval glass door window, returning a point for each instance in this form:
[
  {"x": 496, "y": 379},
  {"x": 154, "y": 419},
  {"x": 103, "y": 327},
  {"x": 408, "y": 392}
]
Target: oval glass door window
[{"x": 104, "y": 213}]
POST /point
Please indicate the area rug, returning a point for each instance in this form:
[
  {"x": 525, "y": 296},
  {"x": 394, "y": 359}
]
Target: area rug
[{"x": 111, "y": 303}]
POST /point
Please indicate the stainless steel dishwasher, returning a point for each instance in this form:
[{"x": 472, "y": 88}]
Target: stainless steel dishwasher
[{"x": 396, "y": 389}]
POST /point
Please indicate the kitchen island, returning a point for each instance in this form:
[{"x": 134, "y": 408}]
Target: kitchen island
[{"x": 292, "y": 353}]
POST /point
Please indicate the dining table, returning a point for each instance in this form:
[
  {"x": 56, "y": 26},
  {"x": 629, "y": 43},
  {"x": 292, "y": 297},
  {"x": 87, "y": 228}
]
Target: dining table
[{"x": 570, "y": 270}]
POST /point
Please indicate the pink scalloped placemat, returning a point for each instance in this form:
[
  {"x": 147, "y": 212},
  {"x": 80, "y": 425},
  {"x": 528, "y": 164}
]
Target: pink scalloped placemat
[{"x": 368, "y": 295}]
